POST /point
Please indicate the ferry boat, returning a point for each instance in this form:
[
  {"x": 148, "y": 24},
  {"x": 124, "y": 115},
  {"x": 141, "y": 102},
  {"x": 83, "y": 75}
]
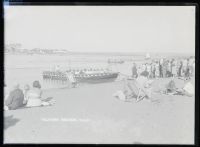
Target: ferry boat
[
  {"x": 96, "y": 77},
  {"x": 115, "y": 61}
]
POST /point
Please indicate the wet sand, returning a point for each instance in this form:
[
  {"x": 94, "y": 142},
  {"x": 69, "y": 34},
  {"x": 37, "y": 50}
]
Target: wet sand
[{"x": 89, "y": 114}]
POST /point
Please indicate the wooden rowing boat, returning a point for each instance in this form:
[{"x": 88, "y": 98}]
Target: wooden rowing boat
[{"x": 95, "y": 77}]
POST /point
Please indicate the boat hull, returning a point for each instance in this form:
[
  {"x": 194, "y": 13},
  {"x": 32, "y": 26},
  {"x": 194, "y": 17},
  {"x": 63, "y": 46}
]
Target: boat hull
[
  {"x": 86, "y": 78},
  {"x": 98, "y": 78}
]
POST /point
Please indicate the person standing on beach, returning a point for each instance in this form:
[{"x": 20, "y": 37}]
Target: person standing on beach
[
  {"x": 161, "y": 68},
  {"x": 149, "y": 70},
  {"x": 193, "y": 66},
  {"x": 71, "y": 79},
  {"x": 164, "y": 69},
  {"x": 190, "y": 65},
  {"x": 157, "y": 72},
  {"x": 134, "y": 71},
  {"x": 168, "y": 70},
  {"x": 179, "y": 68},
  {"x": 144, "y": 67},
  {"x": 15, "y": 98},
  {"x": 174, "y": 64},
  {"x": 153, "y": 69},
  {"x": 187, "y": 74},
  {"x": 185, "y": 62}
]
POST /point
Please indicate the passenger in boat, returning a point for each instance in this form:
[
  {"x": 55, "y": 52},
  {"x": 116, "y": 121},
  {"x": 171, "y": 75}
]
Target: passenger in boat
[{"x": 34, "y": 96}]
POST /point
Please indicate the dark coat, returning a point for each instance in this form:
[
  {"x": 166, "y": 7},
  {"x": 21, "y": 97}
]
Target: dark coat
[{"x": 15, "y": 99}]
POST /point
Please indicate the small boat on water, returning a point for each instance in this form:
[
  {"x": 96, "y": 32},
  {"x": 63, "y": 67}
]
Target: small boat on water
[
  {"x": 94, "y": 76},
  {"x": 115, "y": 61},
  {"x": 147, "y": 56}
]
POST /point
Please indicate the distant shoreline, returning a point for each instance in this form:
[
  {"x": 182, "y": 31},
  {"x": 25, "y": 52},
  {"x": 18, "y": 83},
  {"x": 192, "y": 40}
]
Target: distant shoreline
[{"x": 142, "y": 54}]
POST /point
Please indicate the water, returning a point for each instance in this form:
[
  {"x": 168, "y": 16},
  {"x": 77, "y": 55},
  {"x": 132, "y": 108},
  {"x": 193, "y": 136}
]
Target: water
[{"x": 24, "y": 69}]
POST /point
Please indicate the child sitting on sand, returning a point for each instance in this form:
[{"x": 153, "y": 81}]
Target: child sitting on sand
[{"x": 33, "y": 97}]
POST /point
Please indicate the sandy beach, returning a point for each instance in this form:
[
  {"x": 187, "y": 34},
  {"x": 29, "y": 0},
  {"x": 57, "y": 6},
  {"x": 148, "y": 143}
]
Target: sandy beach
[
  {"x": 89, "y": 114},
  {"x": 54, "y": 48}
]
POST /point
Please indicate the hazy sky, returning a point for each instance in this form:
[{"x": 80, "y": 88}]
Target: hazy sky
[{"x": 102, "y": 28}]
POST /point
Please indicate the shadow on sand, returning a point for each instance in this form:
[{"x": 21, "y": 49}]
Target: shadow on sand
[{"x": 9, "y": 121}]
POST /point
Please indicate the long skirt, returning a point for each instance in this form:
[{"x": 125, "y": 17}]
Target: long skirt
[{"x": 34, "y": 102}]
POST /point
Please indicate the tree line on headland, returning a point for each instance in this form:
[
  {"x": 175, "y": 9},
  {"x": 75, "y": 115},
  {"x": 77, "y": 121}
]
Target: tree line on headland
[{"x": 16, "y": 48}]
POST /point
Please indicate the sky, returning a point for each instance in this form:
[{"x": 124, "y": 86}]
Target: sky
[{"x": 102, "y": 28}]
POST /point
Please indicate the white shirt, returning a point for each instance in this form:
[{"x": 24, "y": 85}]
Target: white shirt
[
  {"x": 189, "y": 88},
  {"x": 71, "y": 77},
  {"x": 161, "y": 61},
  {"x": 148, "y": 68}
]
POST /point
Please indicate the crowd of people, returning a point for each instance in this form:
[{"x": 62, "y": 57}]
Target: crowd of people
[
  {"x": 28, "y": 97},
  {"x": 143, "y": 76},
  {"x": 163, "y": 68}
]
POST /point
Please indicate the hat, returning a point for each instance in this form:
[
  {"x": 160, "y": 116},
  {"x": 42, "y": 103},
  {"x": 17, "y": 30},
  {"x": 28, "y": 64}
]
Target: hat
[{"x": 36, "y": 84}]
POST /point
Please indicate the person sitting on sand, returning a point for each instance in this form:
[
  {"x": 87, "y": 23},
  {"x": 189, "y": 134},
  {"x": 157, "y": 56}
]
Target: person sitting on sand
[
  {"x": 15, "y": 98},
  {"x": 188, "y": 89},
  {"x": 170, "y": 87},
  {"x": 34, "y": 96},
  {"x": 138, "y": 88},
  {"x": 145, "y": 85}
]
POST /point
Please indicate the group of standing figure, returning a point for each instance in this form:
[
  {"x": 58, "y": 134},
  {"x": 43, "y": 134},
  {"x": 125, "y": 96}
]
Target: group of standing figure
[{"x": 164, "y": 68}]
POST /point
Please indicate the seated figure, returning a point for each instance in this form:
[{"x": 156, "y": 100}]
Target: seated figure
[
  {"x": 139, "y": 88},
  {"x": 34, "y": 96},
  {"x": 187, "y": 89},
  {"x": 15, "y": 98}
]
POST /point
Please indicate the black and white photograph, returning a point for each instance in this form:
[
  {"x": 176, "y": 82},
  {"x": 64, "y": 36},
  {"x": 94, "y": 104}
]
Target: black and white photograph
[{"x": 99, "y": 74}]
